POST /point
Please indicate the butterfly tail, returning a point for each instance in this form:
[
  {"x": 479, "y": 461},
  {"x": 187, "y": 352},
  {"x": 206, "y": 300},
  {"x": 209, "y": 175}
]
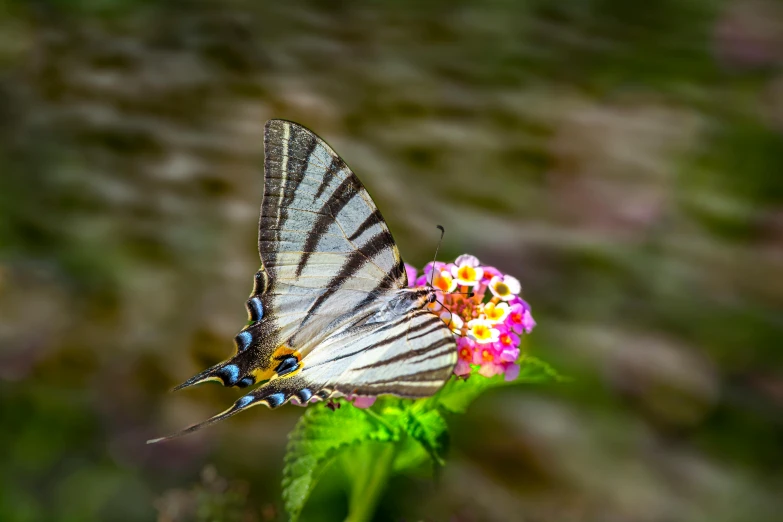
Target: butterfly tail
[
  {"x": 272, "y": 394},
  {"x": 240, "y": 370}
]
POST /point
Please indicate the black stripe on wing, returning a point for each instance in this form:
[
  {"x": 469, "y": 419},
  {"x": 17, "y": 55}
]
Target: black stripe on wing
[
  {"x": 371, "y": 220},
  {"x": 336, "y": 202},
  {"x": 292, "y": 153},
  {"x": 411, "y": 355},
  {"x": 431, "y": 351},
  {"x": 288, "y": 150},
  {"x": 355, "y": 261},
  {"x": 378, "y": 332},
  {"x": 335, "y": 166}
]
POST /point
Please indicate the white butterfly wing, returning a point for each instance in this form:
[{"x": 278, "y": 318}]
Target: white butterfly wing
[{"x": 330, "y": 269}]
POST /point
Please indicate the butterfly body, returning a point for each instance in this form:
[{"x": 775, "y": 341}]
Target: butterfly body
[{"x": 331, "y": 313}]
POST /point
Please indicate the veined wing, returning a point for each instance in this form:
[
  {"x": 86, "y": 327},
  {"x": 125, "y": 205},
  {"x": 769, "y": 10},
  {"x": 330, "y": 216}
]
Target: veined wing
[
  {"x": 410, "y": 355},
  {"x": 329, "y": 265},
  {"x": 325, "y": 250},
  {"x": 319, "y": 228}
]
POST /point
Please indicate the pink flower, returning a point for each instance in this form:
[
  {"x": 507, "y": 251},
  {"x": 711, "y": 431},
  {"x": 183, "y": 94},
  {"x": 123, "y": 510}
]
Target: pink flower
[
  {"x": 426, "y": 278},
  {"x": 528, "y": 323},
  {"x": 512, "y": 372},
  {"x": 488, "y": 321},
  {"x": 486, "y": 354},
  {"x": 437, "y": 265},
  {"x": 508, "y": 345},
  {"x": 361, "y": 401},
  {"x": 489, "y": 273},
  {"x": 491, "y": 369},
  {"x": 462, "y": 368},
  {"x": 516, "y": 319},
  {"x": 465, "y": 350},
  {"x": 411, "y": 273}
]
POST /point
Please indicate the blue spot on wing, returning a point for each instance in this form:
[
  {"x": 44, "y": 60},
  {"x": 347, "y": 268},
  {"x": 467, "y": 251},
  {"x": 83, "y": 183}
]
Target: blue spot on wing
[
  {"x": 243, "y": 340},
  {"x": 244, "y": 401},
  {"x": 289, "y": 364},
  {"x": 229, "y": 374},
  {"x": 276, "y": 399},
  {"x": 255, "y": 309},
  {"x": 304, "y": 395},
  {"x": 245, "y": 382}
]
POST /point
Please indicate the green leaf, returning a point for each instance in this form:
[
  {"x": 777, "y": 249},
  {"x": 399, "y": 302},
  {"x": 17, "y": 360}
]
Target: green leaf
[
  {"x": 410, "y": 455},
  {"x": 318, "y": 436},
  {"x": 430, "y": 430},
  {"x": 458, "y": 394}
]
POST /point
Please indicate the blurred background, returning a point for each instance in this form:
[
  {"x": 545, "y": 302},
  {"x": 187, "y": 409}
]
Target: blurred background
[{"x": 624, "y": 160}]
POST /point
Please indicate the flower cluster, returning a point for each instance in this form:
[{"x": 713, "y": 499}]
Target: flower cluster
[{"x": 482, "y": 306}]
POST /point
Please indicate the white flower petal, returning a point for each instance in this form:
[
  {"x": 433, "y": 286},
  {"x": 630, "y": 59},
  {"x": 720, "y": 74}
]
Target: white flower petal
[
  {"x": 474, "y": 322},
  {"x": 467, "y": 259},
  {"x": 513, "y": 284}
]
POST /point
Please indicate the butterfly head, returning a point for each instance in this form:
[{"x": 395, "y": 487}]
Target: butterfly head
[{"x": 424, "y": 296}]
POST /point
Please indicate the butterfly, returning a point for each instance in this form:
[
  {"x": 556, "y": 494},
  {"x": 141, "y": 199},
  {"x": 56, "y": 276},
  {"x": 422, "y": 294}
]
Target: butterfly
[{"x": 331, "y": 314}]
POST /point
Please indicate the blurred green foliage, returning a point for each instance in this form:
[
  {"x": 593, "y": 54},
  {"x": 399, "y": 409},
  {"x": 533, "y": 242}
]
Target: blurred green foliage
[{"x": 622, "y": 159}]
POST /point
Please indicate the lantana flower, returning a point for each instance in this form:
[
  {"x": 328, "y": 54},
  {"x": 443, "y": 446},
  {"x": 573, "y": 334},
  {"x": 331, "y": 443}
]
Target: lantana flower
[
  {"x": 466, "y": 270},
  {"x": 465, "y": 354},
  {"x": 519, "y": 318},
  {"x": 505, "y": 287},
  {"x": 481, "y": 306},
  {"x": 482, "y": 331},
  {"x": 443, "y": 281},
  {"x": 496, "y": 314}
]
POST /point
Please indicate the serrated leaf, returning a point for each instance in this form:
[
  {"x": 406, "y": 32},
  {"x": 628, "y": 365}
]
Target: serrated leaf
[
  {"x": 431, "y": 431},
  {"x": 318, "y": 436},
  {"x": 458, "y": 394}
]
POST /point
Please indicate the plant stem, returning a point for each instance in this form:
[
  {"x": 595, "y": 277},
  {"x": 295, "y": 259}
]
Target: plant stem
[{"x": 370, "y": 480}]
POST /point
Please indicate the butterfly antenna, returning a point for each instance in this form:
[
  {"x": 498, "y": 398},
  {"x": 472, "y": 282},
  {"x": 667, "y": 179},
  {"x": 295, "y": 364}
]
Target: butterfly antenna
[{"x": 432, "y": 275}]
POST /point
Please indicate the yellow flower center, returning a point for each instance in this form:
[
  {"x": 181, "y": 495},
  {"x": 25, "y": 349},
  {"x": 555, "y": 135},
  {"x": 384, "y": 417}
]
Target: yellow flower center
[
  {"x": 442, "y": 283},
  {"x": 466, "y": 273},
  {"x": 487, "y": 355},
  {"x": 502, "y": 289},
  {"x": 481, "y": 331},
  {"x": 492, "y": 312}
]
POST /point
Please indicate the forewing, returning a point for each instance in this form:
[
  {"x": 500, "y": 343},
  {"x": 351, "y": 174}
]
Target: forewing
[{"x": 319, "y": 228}]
